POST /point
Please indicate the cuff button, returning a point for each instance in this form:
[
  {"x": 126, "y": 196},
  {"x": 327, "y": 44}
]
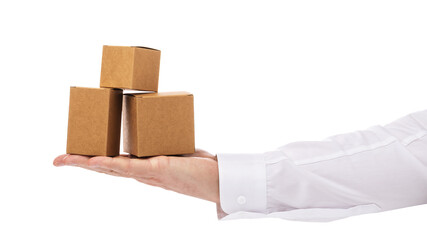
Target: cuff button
[{"x": 241, "y": 200}]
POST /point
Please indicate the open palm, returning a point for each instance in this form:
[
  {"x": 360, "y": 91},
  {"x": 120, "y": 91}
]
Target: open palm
[{"x": 193, "y": 174}]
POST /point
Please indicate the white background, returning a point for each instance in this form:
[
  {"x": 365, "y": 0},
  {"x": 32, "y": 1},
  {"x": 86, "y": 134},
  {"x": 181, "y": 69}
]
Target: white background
[{"x": 263, "y": 74}]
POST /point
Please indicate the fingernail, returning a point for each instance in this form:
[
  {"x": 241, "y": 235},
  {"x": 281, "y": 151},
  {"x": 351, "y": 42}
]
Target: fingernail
[{"x": 61, "y": 162}]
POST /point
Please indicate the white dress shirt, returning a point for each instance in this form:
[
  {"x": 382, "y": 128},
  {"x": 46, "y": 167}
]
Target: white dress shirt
[{"x": 377, "y": 169}]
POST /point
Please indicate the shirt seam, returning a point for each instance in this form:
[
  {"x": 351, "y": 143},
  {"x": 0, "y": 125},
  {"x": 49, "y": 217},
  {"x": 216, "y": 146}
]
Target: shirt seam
[
  {"x": 363, "y": 148},
  {"x": 408, "y": 140},
  {"x": 348, "y": 152}
]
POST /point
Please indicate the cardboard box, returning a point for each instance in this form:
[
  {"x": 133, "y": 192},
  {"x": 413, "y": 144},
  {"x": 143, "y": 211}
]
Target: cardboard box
[
  {"x": 94, "y": 121},
  {"x": 158, "y": 124},
  {"x": 130, "y": 68}
]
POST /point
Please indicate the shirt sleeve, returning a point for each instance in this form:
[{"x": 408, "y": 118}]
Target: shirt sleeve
[{"x": 377, "y": 169}]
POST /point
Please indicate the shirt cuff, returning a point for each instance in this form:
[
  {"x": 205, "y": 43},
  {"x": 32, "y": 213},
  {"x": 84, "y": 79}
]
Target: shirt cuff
[{"x": 242, "y": 183}]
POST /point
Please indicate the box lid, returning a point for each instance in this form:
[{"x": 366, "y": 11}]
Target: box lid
[
  {"x": 161, "y": 94},
  {"x": 133, "y": 47},
  {"x": 101, "y": 88}
]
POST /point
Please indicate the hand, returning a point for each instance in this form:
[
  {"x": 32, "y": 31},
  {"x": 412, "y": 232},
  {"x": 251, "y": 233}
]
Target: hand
[{"x": 191, "y": 174}]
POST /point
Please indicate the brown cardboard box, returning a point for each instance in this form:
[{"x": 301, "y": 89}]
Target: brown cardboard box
[
  {"x": 158, "y": 124},
  {"x": 130, "y": 68},
  {"x": 94, "y": 121}
]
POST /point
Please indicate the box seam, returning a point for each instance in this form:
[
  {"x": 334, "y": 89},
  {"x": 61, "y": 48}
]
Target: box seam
[
  {"x": 132, "y": 82},
  {"x": 136, "y": 125},
  {"x": 165, "y": 96},
  {"x": 68, "y": 125},
  {"x": 194, "y": 124},
  {"x": 108, "y": 122}
]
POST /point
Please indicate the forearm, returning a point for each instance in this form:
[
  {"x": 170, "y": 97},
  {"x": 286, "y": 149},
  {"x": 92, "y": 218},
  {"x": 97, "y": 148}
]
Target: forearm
[{"x": 377, "y": 169}]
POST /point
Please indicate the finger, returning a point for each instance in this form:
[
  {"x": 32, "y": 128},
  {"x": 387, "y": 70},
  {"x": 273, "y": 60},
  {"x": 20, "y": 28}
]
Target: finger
[
  {"x": 71, "y": 160},
  {"x": 203, "y": 153},
  {"x": 200, "y": 153},
  {"x": 128, "y": 167},
  {"x": 79, "y": 161},
  {"x": 87, "y": 166},
  {"x": 113, "y": 173},
  {"x": 101, "y": 170},
  {"x": 58, "y": 160}
]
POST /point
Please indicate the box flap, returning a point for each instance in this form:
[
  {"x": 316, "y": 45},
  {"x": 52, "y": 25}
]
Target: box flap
[
  {"x": 134, "y": 47},
  {"x": 146, "y": 48},
  {"x": 161, "y": 94},
  {"x": 102, "y": 88}
]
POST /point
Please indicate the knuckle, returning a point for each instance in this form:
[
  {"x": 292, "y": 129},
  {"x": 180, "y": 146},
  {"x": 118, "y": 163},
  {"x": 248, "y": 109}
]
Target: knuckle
[
  {"x": 129, "y": 168},
  {"x": 159, "y": 167},
  {"x": 92, "y": 162}
]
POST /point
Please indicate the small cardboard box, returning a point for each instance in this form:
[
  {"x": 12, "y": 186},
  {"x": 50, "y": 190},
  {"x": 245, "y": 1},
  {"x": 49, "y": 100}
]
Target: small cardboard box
[
  {"x": 94, "y": 121},
  {"x": 158, "y": 124},
  {"x": 134, "y": 68}
]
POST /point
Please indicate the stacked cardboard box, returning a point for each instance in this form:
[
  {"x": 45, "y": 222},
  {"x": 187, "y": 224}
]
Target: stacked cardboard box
[{"x": 153, "y": 123}]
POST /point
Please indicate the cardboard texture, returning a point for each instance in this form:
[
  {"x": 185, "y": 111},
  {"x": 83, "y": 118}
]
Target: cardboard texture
[
  {"x": 94, "y": 121},
  {"x": 130, "y": 68},
  {"x": 158, "y": 124}
]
